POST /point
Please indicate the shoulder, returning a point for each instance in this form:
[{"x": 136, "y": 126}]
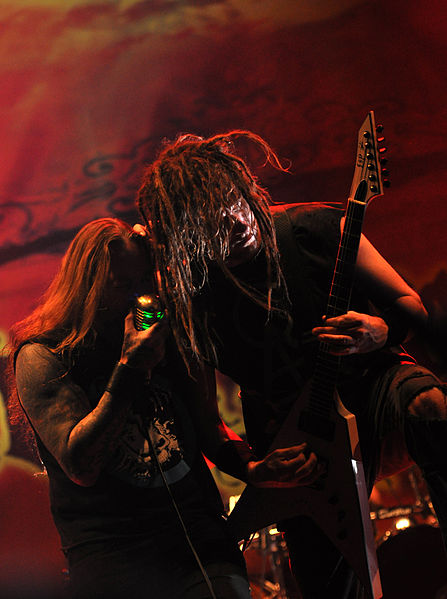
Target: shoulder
[
  {"x": 313, "y": 224},
  {"x": 33, "y": 352},
  {"x": 309, "y": 212},
  {"x": 37, "y": 363}
]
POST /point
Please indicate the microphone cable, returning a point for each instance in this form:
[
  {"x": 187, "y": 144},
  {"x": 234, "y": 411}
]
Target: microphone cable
[
  {"x": 148, "y": 310},
  {"x": 182, "y": 523}
]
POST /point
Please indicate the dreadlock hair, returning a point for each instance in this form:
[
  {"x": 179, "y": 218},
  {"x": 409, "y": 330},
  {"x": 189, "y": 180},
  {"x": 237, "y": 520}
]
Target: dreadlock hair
[{"x": 184, "y": 199}]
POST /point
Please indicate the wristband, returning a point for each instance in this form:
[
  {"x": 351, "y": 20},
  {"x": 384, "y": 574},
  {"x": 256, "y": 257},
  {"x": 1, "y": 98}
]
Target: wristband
[
  {"x": 125, "y": 380},
  {"x": 232, "y": 458}
]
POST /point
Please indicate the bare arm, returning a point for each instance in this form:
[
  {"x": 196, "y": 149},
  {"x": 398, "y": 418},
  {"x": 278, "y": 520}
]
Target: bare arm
[
  {"x": 81, "y": 438},
  {"x": 385, "y": 286},
  {"x": 401, "y": 305}
]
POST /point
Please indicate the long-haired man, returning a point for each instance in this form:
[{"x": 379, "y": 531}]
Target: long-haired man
[
  {"x": 245, "y": 307},
  {"x": 121, "y": 429}
]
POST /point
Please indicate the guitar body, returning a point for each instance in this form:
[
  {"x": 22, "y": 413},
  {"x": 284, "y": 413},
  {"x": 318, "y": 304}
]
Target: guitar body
[{"x": 337, "y": 502}]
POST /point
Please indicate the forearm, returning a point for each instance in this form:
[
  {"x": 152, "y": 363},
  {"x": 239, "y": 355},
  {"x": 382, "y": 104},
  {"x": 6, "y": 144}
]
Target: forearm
[
  {"x": 80, "y": 438},
  {"x": 94, "y": 438},
  {"x": 399, "y": 304},
  {"x": 234, "y": 457},
  {"x": 404, "y": 317}
]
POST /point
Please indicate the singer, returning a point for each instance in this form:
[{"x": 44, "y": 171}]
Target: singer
[{"x": 121, "y": 431}]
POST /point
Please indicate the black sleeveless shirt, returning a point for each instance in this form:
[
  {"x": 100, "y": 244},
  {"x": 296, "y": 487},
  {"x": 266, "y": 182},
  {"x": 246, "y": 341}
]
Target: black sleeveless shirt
[{"x": 271, "y": 356}]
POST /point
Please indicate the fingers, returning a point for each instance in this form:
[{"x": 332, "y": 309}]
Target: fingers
[
  {"x": 351, "y": 321},
  {"x": 154, "y": 334},
  {"x": 160, "y": 326},
  {"x": 342, "y": 333},
  {"x": 288, "y": 467},
  {"x": 144, "y": 349},
  {"x": 310, "y": 471},
  {"x": 334, "y": 339},
  {"x": 352, "y": 333},
  {"x": 300, "y": 467},
  {"x": 287, "y": 453},
  {"x": 340, "y": 345}
]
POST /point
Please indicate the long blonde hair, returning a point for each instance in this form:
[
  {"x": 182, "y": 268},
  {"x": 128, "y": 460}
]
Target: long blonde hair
[
  {"x": 67, "y": 310},
  {"x": 70, "y": 304}
]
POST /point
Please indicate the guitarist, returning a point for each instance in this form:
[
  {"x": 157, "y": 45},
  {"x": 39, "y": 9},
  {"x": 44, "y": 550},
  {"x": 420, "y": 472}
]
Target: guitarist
[{"x": 234, "y": 305}]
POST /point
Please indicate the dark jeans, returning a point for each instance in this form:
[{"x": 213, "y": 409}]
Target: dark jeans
[
  {"x": 160, "y": 562},
  {"x": 133, "y": 573}
]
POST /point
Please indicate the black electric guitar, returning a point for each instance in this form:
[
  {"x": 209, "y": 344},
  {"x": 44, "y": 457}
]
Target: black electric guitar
[{"x": 337, "y": 502}]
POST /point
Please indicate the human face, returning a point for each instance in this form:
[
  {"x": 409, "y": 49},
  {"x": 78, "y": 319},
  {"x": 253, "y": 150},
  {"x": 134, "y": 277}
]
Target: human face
[
  {"x": 245, "y": 239},
  {"x": 129, "y": 275}
]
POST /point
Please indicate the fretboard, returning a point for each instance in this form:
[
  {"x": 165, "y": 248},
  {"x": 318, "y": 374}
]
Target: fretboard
[{"x": 326, "y": 364}]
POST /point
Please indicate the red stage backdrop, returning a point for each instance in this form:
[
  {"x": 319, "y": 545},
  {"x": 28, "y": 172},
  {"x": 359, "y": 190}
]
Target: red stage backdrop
[{"x": 89, "y": 89}]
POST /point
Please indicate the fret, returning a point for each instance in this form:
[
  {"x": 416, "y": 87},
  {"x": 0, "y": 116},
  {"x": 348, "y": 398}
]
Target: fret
[
  {"x": 329, "y": 370},
  {"x": 356, "y": 219},
  {"x": 340, "y": 287},
  {"x": 337, "y": 305},
  {"x": 345, "y": 247},
  {"x": 342, "y": 280},
  {"x": 343, "y": 268}
]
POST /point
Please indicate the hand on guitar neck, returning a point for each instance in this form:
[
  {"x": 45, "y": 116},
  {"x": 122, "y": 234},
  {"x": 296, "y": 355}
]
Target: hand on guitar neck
[
  {"x": 352, "y": 333},
  {"x": 285, "y": 468}
]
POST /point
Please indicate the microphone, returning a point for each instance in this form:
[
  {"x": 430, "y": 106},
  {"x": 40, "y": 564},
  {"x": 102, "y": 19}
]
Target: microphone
[{"x": 147, "y": 311}]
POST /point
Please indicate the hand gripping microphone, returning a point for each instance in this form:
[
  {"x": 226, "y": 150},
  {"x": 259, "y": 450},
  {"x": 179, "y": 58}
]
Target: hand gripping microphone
[{"x": 147, "y": 311}]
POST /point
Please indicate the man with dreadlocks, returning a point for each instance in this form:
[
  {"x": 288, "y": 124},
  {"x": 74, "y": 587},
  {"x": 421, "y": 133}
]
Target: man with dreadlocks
[{"x": 237, "y": 305}]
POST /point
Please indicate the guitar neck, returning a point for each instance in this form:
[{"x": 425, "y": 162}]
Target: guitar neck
[
  {"x": 326, "y": 364},
  {"x": 343, "y": 277}
]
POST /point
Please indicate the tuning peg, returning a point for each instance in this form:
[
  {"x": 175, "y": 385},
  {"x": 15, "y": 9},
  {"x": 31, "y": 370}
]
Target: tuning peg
[
  {"x": 379, "y": 128},
  {"x": 382, "y": 150},
  {"x": 380, "y": 139},
  {"x": 383, "y": 160},
  {"x": 385, "y": 172},
  {"x": 386, "y": 183}
]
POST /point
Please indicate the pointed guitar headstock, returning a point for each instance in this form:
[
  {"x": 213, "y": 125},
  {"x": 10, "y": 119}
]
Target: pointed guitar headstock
[{"x": 370, "y": 171}]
